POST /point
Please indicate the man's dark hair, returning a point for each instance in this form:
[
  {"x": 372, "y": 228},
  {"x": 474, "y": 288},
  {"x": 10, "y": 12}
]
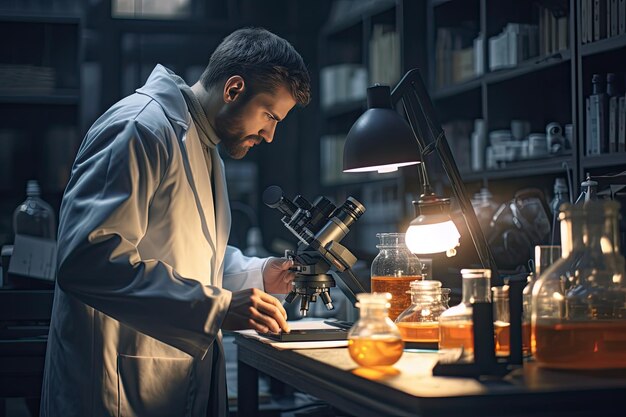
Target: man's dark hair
[{"x": 263, "y": 59}]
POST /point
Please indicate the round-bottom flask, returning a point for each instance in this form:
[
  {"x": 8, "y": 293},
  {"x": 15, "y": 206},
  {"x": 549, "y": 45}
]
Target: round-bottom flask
[
  {"x": 420, "y": 322},
  {"x": 374, "y": 340}
]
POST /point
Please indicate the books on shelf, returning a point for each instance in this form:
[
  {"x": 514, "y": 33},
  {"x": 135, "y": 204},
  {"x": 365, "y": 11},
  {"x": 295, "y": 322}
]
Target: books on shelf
[
  {"x": 516, "y": 43},
  {"x": 553, "y": 29},
  {"x": 602, "y": 19},
  {"x": 384, "y": 56},
  {"x": 456, "y": 55},
  {"x": 342, "y": 83}
]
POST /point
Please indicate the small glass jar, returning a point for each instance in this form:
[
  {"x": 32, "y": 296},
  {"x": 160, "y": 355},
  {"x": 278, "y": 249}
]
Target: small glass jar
[
  {"x": 374, "y": 340},
  {"x": 456, "y": 328},
  {"x": 502, "y": 320},
  {"x": 393, "y": 269},
  {"x": 579, "y": 303},
  {"x": 420, "y": 322}
]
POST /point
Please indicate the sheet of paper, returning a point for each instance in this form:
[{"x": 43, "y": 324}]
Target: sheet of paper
[
  {"x": 299, "y": 325},
  {"x": 33, "y": 257}
]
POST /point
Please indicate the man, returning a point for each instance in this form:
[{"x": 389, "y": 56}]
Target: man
[{"x": 145, "y": 278}]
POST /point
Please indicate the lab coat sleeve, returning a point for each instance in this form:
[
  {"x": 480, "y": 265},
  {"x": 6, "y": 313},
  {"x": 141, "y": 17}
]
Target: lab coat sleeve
[
  {"x": 241, "y": 272},
  {"x": 103, "y": 218}
]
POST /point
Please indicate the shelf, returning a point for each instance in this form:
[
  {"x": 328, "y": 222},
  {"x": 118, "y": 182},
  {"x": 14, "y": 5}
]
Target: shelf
[
  {"x": 64, "y": 97},
  {"x": 531, "y": 167},
  {"x": 347, "y": 107},
  {"x": 354, "y": 18},
  {"x": 528, "y": 67},
  {"x": 604, "y": 160},
  {"x": 604, "y": 45},
  {"x": 456, "y": 89},
  {"x": 7, "y": 16}
]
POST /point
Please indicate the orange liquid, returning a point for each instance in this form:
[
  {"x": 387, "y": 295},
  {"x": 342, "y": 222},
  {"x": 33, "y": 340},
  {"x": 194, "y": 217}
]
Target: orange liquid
[
  {"x": 419, "y": 332},
  {"x": 581, "y": 345},
  {"x": 375, "y": 352},
  {"x": 455, "y": 335},
  {"x": 526, "y": 339},
  {"x": 503, "y": 338},
  {"x": 398, "y": 287}
]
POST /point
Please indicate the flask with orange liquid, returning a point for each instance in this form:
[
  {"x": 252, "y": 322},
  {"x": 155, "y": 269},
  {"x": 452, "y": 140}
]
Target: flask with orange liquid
[
  {"x": 393, "y": 269},
  {"x": 455, "y": 324},
  {"x": 374, "y": 340},
  {"x": 420, "y": 322},
  {"x": 578, "y": 314}
]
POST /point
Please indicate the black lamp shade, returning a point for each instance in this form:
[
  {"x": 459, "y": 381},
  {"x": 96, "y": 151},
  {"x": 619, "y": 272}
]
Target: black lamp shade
[{"x": 380, "y": 139}]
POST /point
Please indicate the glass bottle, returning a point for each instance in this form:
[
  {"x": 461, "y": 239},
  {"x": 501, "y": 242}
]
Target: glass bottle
[
  {"x": 502, "y": 320},
  {"x": 34, "y": 217},
  {"x": 455, "y": 324},
  {"x": 374, "y": 340},
  {"x": 420, "y": 322},
  {"x": 545, "y": 255},
  {"x": 393, "y": 269},
  {"x": 578, "y": 303}
]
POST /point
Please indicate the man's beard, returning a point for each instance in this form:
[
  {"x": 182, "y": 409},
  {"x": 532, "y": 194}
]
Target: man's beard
[{"x": 227, "y": 128}]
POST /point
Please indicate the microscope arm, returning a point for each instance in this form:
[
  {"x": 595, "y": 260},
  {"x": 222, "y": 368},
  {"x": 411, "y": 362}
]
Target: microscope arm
[{"x": 349, "y": 284}]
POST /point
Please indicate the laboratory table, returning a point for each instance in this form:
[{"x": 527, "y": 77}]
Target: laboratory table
[{"x": 409, "y": 389}]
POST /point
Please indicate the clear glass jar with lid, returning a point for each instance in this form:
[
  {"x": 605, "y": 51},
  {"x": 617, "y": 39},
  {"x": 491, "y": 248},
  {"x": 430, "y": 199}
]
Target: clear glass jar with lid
[
  {"x": 420, "y": 322},
  {"x": 579, "y": 303},
  {"x": 374, "y": 340},
  {"x": 393, "y": 269},
  {"x": 456, "y": 328}
]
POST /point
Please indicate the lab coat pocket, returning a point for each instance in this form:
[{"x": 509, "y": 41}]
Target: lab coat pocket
[{"x": 150, "y": 387}]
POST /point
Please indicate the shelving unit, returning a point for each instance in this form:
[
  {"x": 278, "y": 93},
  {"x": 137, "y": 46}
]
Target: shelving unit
[
  {"x": 548, "y": 87},
  {"x": 346, "y": 39},
  {"x": 40, "y": 97}
]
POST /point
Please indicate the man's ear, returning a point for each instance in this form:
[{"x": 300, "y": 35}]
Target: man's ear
[{"x": 233, "y": 88}]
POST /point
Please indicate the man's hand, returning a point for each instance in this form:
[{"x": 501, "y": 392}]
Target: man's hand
[
  {"x": 277, "y": 277},
  {"x": 254, "y": 309}
]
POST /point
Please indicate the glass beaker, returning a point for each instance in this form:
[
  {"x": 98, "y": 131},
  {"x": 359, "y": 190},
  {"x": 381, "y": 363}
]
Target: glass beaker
[
  {"x": 578, "y": 303},
  {"x": 393, "y": 269},
  {"x": 374, "y": 340},
  {"x": 502, "y": 320},
  {"x": 545, "y": 255},
  {"x": 420, "y": 322},
  {"x": 455, "y": 324}
]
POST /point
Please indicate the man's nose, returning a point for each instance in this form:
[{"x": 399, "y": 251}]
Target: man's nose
[{"x": 268, "y": 133}]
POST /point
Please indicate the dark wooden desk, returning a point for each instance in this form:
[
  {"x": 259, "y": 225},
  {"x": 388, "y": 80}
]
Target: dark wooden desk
[{"x": 409, "y": 389}]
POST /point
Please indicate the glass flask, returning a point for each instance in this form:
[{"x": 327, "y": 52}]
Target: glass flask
[
  {"x": 374, "y": 340},
  {"x": 420, "y": 322},
  {"x": 545, "y": 255},
  {"x": 455, "y": 324},
  {"x": 578, "y": 303},
  {"x": 393, "y": 269},
  {"x": 501, "y": 320},
  {"x": 34, "y": 217}
]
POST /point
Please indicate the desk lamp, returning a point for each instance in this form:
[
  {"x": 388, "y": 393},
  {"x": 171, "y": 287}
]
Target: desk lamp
[{"x": 378, "y": 141}]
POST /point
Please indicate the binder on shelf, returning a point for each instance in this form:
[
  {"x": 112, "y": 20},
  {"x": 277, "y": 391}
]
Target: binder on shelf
[
  {"x": 600, "y": 11},
  {"x": 621, "y": 12},
  {"x": 621, "y": 131},
  {"x": 583, "y": 19},
  {"x": 613, "y": 123},
  {"x": 614, "y": 17}
]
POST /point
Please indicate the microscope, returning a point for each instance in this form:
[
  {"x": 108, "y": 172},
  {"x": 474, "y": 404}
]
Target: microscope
[{"x": 319, "y": 257}]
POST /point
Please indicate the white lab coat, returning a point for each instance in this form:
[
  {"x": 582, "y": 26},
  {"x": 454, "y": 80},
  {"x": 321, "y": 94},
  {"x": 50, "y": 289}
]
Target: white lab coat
[{"x": 142, "y": 248}]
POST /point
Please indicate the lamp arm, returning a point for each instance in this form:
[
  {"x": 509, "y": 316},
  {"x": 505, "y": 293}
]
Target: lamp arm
[{"x": 411, "y": 90}]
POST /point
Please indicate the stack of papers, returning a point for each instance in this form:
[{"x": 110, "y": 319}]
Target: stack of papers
[{"x": 299, "y": 325}]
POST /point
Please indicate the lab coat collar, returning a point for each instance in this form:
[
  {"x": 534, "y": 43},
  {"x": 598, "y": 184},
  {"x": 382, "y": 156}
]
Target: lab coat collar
[{"x": 161, "y": 88}]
